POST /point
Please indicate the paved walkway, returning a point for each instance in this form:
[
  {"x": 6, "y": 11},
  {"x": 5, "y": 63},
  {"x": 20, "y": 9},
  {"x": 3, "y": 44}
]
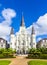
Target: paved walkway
[{"x": 19, "y": 60}]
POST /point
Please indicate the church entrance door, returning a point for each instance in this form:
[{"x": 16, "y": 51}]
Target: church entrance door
[{"x": 23, "y": 51}]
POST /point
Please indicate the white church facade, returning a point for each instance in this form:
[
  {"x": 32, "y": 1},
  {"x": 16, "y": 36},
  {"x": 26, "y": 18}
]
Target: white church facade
[{"x": 22, "y": 41}]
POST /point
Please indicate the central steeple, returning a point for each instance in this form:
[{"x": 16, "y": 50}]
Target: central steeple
[{"x": 22, "y": 21}]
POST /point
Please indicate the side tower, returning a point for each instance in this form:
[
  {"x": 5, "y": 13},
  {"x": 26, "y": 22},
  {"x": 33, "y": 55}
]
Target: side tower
[
  {"x": 12, "y": 39},
  {"x": 33, "y": 38}
]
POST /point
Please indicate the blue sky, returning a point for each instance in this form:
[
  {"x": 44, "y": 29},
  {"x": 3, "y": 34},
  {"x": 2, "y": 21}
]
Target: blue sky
[{"x": 32, "y": 10}]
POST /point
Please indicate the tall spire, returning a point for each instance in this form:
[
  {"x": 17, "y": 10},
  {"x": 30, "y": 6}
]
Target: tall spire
[
  {"x": 12, "y": 31},
  {"x": 22, "y": 21},
  {"x": 33, "y": 31}
]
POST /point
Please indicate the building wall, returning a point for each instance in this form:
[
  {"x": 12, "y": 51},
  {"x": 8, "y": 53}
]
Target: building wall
[
  {"x": 3, "y": 43},
  {"x": 42, "y": 43}
]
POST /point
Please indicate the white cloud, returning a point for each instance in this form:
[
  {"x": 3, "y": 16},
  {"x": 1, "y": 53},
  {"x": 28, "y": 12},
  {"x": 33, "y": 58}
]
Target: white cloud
[
  {"x": 40, "y": 25},
  {"x": 8, "y": 14},
  {"x": 5, "y": 28}
]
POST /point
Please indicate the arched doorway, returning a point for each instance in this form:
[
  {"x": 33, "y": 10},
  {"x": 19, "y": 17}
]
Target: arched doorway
[{"x": 23, "y": 50}]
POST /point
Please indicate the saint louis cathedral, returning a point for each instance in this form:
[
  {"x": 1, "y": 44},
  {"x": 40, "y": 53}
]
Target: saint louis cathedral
[{"x": 22, "y": 41}]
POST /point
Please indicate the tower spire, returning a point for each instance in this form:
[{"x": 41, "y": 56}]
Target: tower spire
[
  {"x": 33, "y": 31},
  {"x": 22, "y": 20},
  {"x": 12, "y": 31}
]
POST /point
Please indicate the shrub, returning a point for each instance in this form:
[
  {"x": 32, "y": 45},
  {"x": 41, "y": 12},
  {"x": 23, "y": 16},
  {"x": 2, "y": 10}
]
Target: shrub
[
  {"x": 32, "y": 50},
  {"x": 43, "y": 56},
  {"x": 34, "y": 55},
  {"x": 38, "y": 53},
  {"x": 11, "y": 56},
  {"x": 1, "y": 56},
  {"x": 7, "y": 53}
]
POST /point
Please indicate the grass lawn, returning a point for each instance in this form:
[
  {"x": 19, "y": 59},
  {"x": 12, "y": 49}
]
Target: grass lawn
[
  {"x": 4, "y": 62},
  {"x": 37, "y": 62}
]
